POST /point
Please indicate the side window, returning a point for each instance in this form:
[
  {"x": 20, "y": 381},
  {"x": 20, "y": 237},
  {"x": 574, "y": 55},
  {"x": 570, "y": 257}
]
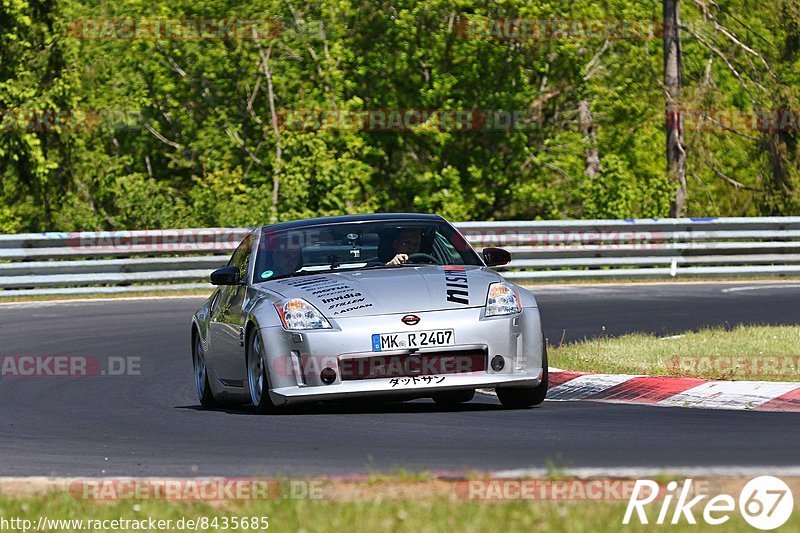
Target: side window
[{"x": 241, "y": 257}]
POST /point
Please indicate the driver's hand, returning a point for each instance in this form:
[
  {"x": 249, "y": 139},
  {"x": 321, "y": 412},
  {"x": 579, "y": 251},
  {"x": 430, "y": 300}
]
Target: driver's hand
[{"x": 399, "y": 259}]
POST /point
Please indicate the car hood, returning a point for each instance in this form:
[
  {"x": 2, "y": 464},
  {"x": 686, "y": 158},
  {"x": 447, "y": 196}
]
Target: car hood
[{"x": 390, "y": 290}]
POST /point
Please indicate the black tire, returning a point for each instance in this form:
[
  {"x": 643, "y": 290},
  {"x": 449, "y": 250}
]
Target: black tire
[
  {"x": 525, "y": 397},
  {"x": 259, "y": 389},
  {"x": 452, "y": 398},
  {"x": 204, "y": 393}
]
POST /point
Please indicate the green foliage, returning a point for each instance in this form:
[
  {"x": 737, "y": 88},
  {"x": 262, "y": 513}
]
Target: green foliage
[{"x": 180, "y": 131}]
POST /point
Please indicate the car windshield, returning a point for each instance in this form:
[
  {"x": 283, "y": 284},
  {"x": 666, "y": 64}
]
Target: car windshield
[{"x": 360, "y": 245}]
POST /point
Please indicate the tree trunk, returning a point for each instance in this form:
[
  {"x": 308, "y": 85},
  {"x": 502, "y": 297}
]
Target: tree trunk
[
  {"x": 590, "y": 154},
  {"x": 676, "y": 154},
  {"x": 276, "y": 173},
  {"x": 778, "y": 188}
]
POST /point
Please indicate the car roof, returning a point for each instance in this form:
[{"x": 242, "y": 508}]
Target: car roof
[{"x": 352, "y": 218}]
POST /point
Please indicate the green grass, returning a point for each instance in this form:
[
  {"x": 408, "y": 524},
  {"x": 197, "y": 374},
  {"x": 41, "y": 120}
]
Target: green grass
[
  {"x": 770, "y": 353},
  {"x": 435, "y": 514},
  {"x": 401, "y": 474}
]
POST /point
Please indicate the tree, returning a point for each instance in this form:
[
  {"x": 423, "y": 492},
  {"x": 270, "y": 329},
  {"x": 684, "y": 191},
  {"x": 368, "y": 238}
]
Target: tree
[
  {"x": 676, "y": 153},
  {"x": 40, "y": 113}
]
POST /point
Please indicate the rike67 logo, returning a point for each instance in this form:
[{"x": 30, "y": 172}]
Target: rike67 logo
[{"x": 765, "y": 503}]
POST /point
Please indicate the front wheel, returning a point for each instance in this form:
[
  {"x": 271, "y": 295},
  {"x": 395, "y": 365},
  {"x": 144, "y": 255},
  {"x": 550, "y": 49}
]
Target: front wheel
[
  {"x": 257, "y": 378},
  {"x": 526, "y": 396}
]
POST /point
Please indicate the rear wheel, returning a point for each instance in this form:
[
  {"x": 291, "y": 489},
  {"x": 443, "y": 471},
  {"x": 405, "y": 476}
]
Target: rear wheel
[
  {"x": 204, "y": 393},
  {"x": 257, "y": 378},
  {"x": 524, "y": 397},
  {"x": 452, "y": 398}
]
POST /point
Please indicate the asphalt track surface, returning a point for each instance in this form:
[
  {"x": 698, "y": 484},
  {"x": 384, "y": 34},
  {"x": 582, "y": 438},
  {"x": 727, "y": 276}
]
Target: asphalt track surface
[{"x": 151, "y": 424}]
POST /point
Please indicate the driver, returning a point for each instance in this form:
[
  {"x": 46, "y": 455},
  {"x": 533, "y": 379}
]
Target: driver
[
  {"x": 405, "y": 243},
  {"x": 281, "y": 258}
]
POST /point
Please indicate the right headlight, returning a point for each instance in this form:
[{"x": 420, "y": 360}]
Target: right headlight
[
  {"x": 297, "y": 313},
  {"x": 502, "y": 300}
]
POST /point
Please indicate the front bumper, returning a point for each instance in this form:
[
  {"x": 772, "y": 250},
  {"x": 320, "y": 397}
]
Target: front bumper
[
  {"x": 295, "y": 359},
  {"x": 412, "y": 387}
]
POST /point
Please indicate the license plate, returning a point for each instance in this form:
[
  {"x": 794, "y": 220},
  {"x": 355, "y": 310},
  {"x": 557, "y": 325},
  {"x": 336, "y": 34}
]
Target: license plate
[{"x": 412, "y": 339}]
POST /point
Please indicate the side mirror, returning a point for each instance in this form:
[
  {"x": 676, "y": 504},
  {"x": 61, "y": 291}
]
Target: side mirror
[
  {"x": 228, "y": 275},
  {"x": 496, "y": 256}
]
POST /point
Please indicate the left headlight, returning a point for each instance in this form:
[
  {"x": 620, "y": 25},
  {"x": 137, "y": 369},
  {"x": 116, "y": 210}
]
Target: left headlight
[
  {"x": 502, "y": 300},
  {"x": 297, "y": 313}
]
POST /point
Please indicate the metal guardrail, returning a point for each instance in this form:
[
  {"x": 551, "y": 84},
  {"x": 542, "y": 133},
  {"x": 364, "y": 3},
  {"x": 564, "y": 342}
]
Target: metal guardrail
[{"x": 153, "y": 260}]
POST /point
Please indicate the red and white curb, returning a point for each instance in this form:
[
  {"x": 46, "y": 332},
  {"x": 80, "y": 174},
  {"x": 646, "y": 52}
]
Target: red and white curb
[{"x": 674, "y": 391}]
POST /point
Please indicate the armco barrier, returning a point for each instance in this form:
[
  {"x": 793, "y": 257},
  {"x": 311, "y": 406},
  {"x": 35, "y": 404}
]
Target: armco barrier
[{"x": 125, "y": 261}]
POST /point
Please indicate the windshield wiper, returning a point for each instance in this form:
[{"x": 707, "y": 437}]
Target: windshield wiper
[
  {"x": 375, "y": 267},
  {"x": 336, "y": 266}
]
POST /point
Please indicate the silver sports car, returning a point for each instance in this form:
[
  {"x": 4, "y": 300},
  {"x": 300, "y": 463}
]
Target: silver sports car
[{"x": 395, "y": 306}]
